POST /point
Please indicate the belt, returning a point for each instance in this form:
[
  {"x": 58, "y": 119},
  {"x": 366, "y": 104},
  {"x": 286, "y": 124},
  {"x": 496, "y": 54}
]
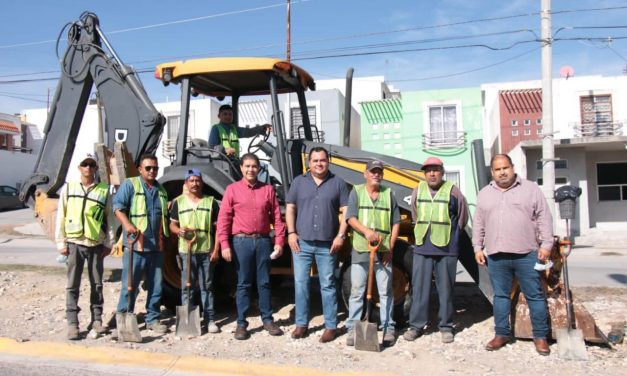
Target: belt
[{"x": 252, "y": 236}]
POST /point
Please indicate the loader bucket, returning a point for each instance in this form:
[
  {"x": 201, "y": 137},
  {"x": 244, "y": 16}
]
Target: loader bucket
[{"x": 553, "y": 285}]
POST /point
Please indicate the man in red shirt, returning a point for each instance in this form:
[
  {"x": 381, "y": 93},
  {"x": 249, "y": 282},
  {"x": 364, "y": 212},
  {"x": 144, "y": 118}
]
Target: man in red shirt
[{"x": 248, "y": 209}]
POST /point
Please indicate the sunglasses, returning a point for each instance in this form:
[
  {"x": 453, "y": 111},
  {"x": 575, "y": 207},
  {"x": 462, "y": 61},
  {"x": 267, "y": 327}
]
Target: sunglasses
[
  {"x": 88, "y": 164},
  {"x": 151, "y": 168}
]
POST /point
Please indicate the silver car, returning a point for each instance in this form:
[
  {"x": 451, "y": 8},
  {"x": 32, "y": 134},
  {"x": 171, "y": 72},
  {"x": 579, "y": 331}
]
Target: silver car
[{"x": 9, "y": 198}]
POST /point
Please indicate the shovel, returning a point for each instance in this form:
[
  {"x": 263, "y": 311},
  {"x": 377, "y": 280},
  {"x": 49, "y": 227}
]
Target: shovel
[
  {"x": 126, "y": 322},
  {"x": 188, "y": 315},
  {"x": 366, "y": 335},
  {"x": 570, "y": 343}
]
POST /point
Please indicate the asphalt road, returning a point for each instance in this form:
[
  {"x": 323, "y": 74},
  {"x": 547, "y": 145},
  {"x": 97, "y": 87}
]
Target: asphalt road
[{"x": 602, "y": 265}]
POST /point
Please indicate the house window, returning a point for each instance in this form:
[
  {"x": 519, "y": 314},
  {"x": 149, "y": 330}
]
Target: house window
[
  {"x": 296, "y": 116},
  {"x": 397, "y": 125},
  {"x": 559, "y": 180},
  {"x": 538, "y": 121},
  {"x": 452, "y": 176},
  {"x": 560, "y": 164},
  {"x": 612, "y": 181},
  {"x": 515, "y": 132},
  {"x": 397, "y": 135},
  {"x": 397, "y": 146},
  {"x": 375, "y": 136},
  {"x": 527, "y": 132},
  {"x": 527, "y": 122},
  {"x": 539, "y": 131},
  {"x": 596, "y": 109},
  {"x": 386, "y": 146},
  {"x": 443, "y": 124},
  {"x": 387, "y": 136},
  {"x": 386, "y": 126},
  {"x": 375, "y": 126},
  {"x": 169, "y": 144},
  {"x": 173, "y": 126},
  {"x": 514, "y": 123}
]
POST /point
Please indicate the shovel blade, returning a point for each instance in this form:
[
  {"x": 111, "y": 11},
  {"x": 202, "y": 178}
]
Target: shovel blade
[
  {"x": 128, "y": 331},
  {"x": 366, "y": 336},
  {"x": 187, "y": 321},
  {"x": 570, "y": 344}
]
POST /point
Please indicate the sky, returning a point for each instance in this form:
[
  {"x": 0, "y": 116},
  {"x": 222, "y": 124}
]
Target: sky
[{"x": 414, "y": 44}]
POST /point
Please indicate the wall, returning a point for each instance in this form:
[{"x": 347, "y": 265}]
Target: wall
[
  {"x": 415, "y": 122},
  {"x": 16, "y": 167},
  {"x": 610, "y": 215}
]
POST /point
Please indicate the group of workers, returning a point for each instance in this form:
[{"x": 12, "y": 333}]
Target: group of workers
[{"x": 512, "y": 230}]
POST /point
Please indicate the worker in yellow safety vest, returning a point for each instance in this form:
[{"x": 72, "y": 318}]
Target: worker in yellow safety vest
[
  {"x": 193, "y": 212},
  {"x": 84, "y": 234},
  {"x": 226, "y": 134}
]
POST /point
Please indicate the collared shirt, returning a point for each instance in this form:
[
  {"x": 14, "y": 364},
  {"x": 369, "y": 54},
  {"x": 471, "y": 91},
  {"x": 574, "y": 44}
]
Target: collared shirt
[
  {"x": 124, "y": 198},
  {"x": 247, "y": 209},
  {"x": 516, "y": 220},
  {"x": 458, "y": 212},
  {"x": 106, "y": 237},
  {"x": 318, "y": 206}
]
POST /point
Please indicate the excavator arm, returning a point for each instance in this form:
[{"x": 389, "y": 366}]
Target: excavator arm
[{"x": 130, "y": 116}]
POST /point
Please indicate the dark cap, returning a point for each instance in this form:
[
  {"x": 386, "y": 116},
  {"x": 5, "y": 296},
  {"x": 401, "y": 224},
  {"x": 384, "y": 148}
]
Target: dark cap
[
  {"x": 432, "y": 161},
  {"x": 192, "y": 172},
  {"x": 374, "y": 164}
]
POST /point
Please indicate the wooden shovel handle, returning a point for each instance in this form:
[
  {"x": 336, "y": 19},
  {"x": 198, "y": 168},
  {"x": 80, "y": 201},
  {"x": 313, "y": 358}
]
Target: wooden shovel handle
[
  {"x": 188, "y": 272},
  {"x": 373, "y": 250}
]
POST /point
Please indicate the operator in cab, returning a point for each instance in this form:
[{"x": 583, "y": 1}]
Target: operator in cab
[{"x": 226, "y": 134}]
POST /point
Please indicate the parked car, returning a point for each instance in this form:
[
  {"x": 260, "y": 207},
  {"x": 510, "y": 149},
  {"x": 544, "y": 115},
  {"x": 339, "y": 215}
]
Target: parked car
[{"x": 9, "y": 198}]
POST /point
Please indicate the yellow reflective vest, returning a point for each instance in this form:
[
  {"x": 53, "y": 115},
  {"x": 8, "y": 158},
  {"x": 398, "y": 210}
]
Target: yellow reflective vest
[
  {"x": 229, "y": 137},
  {"x": 198, "y": 218},
  {"x": 85, "y": 210},
  {"x": 376, "y": 216},
  {"x": 137, "y": 213},
  {"x": 433, "y": 212}
]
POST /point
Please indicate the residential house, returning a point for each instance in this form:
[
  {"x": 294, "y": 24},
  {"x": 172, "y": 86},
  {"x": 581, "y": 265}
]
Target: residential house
[{"x": 19, "y": 144}]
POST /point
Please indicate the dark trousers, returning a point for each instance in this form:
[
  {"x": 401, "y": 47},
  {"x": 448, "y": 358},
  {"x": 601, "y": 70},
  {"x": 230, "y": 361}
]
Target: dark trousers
[
  {"x": 201, "y": 278},
  {"x": 252, "y": 260},
  {"x": 444, "y": 269},
  {"x": 79, "y": 254}
]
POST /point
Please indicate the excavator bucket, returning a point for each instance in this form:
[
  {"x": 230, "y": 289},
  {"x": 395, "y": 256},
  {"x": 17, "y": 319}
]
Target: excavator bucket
[{"x": 556, "y": 300}]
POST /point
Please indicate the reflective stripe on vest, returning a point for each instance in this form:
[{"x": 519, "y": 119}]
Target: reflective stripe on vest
[
  {"x": 138, "y": 215},
  {"x": 85, "y": 210},
  {"x": 376, "y": 216},
  {"x": 198, "y": 218},
  {"x": 230, "y": 139},
  {"x": 434, "y": 212}
]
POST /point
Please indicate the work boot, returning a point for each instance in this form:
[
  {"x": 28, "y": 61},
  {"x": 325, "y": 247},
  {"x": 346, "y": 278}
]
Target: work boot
[
  {"x": 299, "y": 332},
  {"x": 328, "y": 335},
  {"x": 73, "y": 333},
  {"x": 496, "y": 343},
  {"x": 412, "y": 334},
  {"x": 389, "y": 338},
  {"x": 272, "y": 328},
  {"x": 350, "y": 337},
  {"x": 447, "y": 336},
  {"x": 157, "y": 327},
  {"x": 241, "y": 333},
  {"x": 212, "y": 327},
  {"x": 97, "y": 327},
  {"x": 542, "y": 346}
]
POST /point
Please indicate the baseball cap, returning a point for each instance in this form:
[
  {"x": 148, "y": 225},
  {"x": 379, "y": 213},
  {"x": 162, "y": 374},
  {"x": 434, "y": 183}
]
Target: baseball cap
[
  {"x": 374, "y": 164},
  {"x": 87, "y": 157},
  {"x": 432, "y": 161},
  {"x": 192, "y": 172}
]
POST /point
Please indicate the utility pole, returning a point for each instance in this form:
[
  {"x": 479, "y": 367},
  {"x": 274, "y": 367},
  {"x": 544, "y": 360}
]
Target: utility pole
[
  {"x": 289, "y": 32},
  {"x": 548, "y": 148}
]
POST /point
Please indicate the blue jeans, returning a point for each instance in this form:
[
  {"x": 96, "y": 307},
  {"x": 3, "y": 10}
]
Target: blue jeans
[
  {"x": 252, "y": 259},
  {"x": 325, "y": 262},
  {"x": 359, "y": 282},
  {"x": 502, "y": 268},
  {"x": 149, "y": 263},
  {"x": 424, "y": 267},
  {"x": 201, "y": 277}
]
